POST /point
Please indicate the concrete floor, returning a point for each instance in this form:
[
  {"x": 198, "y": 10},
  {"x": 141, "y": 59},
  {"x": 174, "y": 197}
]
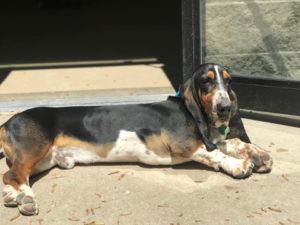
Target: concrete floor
[
  {"x": 184, "y": 194},
  {"x": 23, "y": 89},
  {"x": 94, "y": 78}
]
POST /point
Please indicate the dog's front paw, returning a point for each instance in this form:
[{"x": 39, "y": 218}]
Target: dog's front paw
[
  {"x": 262, "y": 160},
  {"x": 239, "y": 168},
  {"x": 244, "y": 170}
]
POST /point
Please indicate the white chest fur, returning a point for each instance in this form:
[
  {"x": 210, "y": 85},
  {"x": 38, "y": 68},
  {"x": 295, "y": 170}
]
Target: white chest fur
[{"x": 215, "y": 136}]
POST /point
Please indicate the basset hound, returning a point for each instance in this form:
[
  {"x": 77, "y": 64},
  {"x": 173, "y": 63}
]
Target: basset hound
[{"x": 202, "y": 124}]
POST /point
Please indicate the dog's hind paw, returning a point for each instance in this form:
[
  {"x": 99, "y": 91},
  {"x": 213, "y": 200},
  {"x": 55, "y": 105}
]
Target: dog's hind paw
[
  {"x": 9, "y": 195},
  {"x": 26, "y": 201},
  {"x": 27, "y": 204},
  {"x": 23, "y": 199}
]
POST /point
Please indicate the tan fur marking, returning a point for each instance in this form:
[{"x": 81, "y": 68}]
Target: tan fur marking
[
  {"x": 159, "y": 144},
  {"x": 245, "y": 163},
  {"x": 248, "y": 152},
  {"x": 167, "y": 144},
  {"x": 2, "y": 135},
  {"x": 243, "y": 151},
  {"x": 211, "y": 74},
  {"x": 5, "y": 144},
  {"x": 225, "y": 75},
  {"x": 207, "y": 101},
  {"x": 65, "y": 141}
]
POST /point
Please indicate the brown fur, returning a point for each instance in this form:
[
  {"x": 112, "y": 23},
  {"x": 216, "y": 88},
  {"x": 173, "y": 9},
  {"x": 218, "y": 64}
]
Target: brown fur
[
  {"x": 159, "y": 144},
  {"x": 211, "y": 75},
  {"x": 8, "y": 149},
  {"x": 22, "y": 165},
  {"x": 225, "y": 75},
  {"x": 206, "y": 100},
  {"x": 167, "y": 144},
  {"x": 101, "y": 150}
]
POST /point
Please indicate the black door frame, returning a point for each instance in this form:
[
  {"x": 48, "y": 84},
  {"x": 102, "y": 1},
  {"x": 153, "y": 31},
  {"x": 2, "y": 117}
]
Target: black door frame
[{"x": 275, "y": 100}]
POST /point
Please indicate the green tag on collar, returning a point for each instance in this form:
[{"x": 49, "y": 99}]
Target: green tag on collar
[
  {"x": 178, "y": 94},
  {"x": 224, "y": 130}
]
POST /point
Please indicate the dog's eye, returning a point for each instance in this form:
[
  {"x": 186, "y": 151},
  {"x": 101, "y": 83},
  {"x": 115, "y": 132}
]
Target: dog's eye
[{"x": 204, "y": 80}]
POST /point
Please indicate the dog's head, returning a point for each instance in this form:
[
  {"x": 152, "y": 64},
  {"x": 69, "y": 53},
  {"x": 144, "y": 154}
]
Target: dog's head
[{"x": 209, "y": 98}]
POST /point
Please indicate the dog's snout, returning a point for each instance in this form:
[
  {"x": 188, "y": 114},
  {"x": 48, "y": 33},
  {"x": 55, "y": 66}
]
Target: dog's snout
[{"x": 224, "y": 109}]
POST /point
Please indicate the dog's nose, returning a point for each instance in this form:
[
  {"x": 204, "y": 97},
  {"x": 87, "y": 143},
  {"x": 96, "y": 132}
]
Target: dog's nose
[{"x": 224, "y": 109}]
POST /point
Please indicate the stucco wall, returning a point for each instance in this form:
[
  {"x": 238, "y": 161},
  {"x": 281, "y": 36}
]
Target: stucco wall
[{"x": 254, "y": 37}]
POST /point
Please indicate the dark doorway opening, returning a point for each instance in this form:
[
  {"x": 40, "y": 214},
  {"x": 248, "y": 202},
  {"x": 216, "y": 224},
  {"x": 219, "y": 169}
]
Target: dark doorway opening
[{"x": 34, "y": 32}]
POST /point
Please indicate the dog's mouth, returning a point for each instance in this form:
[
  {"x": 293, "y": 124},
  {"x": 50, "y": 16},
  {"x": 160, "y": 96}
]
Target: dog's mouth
[
  {"x": 219, "y": 121},
  {"x": 221, "y": 124}
]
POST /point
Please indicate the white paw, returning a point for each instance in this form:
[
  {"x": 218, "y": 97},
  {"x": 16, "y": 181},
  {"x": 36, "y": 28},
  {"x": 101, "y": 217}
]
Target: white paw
[
  {"x": 9, "y": 195},
  {"x": 27, "y": 204},
  {"x": 24, "y": 199},
  {"x": 239, "y": 168},
  {"x": 64, "y": 160}
]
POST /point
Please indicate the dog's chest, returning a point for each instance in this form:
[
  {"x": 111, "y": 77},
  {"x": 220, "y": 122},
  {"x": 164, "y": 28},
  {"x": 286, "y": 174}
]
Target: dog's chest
[{"x": 215, "y": 136}]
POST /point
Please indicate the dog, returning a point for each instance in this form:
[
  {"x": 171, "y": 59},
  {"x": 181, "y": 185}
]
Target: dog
[{"x": 202, "y": 124}]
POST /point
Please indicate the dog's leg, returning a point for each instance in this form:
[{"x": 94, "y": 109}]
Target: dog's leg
[
  {"x": 17, "y": 191},
  {"x": 238, "y": 168},
  {"x": 25, "y": 143},
  {"x": 239, "y": 149}
]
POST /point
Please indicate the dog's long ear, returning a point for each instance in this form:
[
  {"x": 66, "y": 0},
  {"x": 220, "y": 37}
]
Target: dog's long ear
[
  {"x": 234, "y": 102},
  {"x": 236, "y": 125},
  {"x": 190, "y": 94}
]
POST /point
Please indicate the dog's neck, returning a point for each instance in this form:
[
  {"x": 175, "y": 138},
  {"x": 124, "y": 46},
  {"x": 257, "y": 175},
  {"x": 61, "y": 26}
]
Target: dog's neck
[{"x": 217, "y": 135}]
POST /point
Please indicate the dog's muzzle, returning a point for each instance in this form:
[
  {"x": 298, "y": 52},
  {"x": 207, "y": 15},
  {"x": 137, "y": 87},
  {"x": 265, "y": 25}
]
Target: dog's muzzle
[{"x": 224, "y": 110}]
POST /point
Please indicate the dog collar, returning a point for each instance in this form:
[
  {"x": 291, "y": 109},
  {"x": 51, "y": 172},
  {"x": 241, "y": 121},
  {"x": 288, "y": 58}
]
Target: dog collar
[
  {"x": 224, "y": 130},
  {"x": 178, "y": 94}
]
